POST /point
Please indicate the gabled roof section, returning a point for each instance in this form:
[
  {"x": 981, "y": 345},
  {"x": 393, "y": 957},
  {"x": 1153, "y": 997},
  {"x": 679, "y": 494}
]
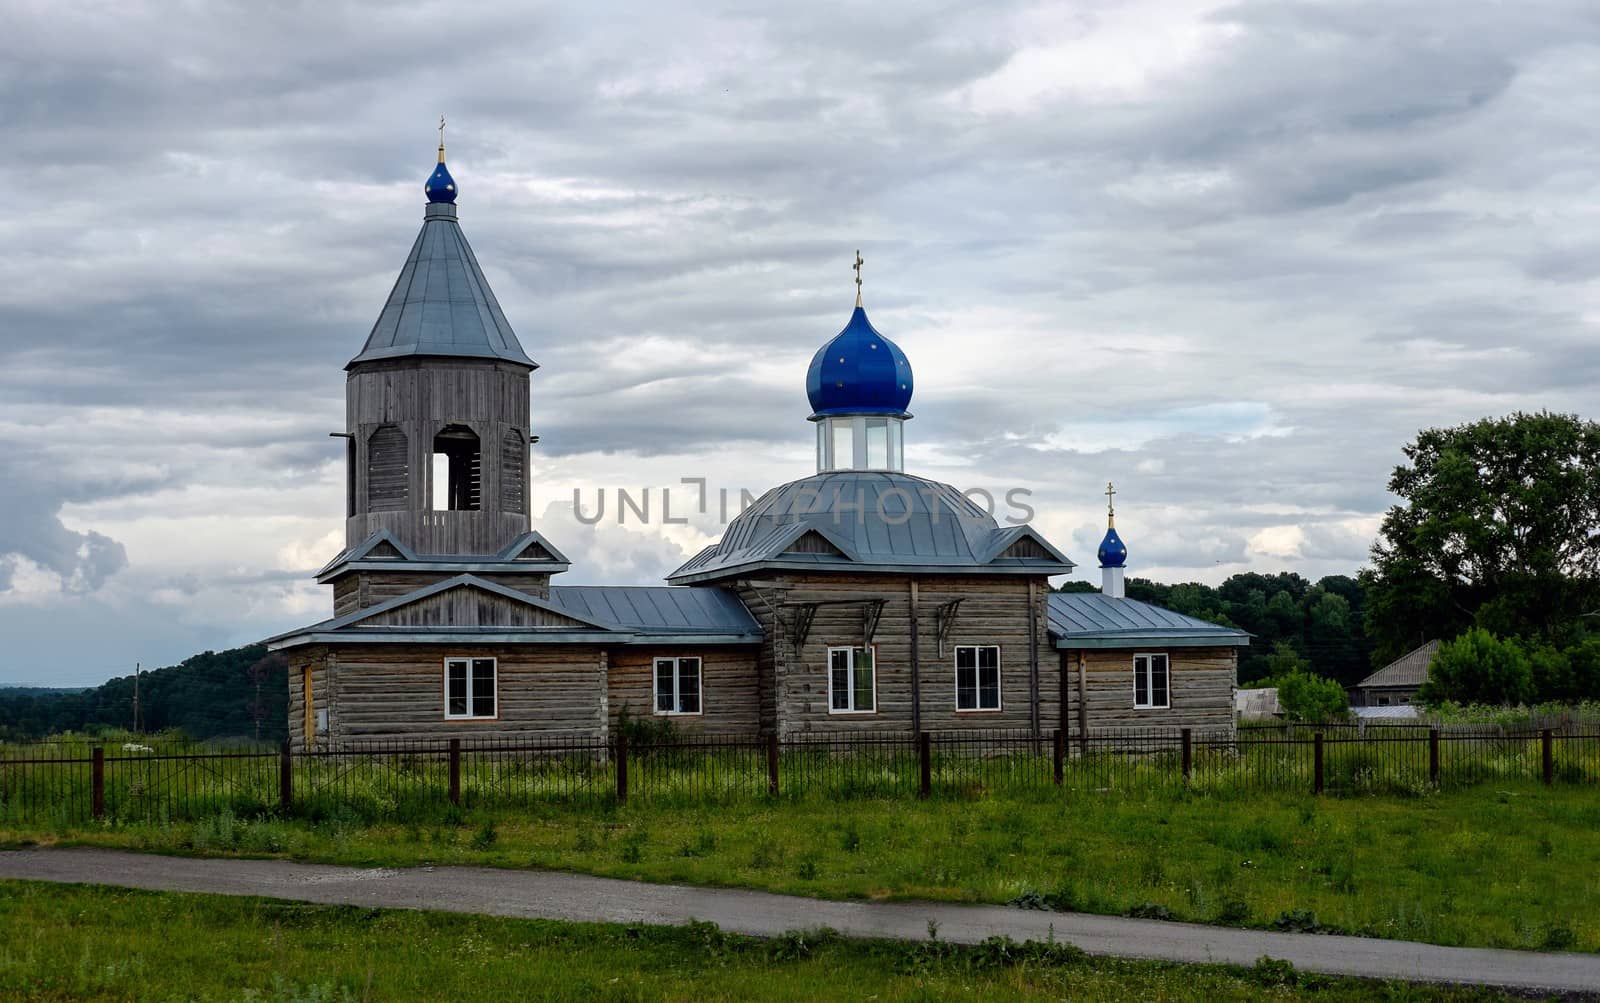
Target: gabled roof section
[
  {"x": 873, "y": 520},
  {"x": 1410, "y": 669},
  {"x": 380, "y": 614},
  {"x": 1095, "y": 620},
  {"x": 528, "y": 552},
  {"x": 441, "y": 305}
]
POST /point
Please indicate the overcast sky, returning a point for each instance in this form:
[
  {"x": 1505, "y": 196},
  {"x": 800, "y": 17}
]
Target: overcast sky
[{"x": 1231, "y": 256}]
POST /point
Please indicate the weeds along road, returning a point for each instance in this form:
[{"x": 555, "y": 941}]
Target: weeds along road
[{"x": 546, "y": 895}]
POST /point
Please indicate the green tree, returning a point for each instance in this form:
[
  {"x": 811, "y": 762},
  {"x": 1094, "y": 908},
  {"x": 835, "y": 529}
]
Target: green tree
[
  {"x": 1479, "y": 668},
  {"x": 1306, "y": 697},
  {"x": 1498, "y": 527}
]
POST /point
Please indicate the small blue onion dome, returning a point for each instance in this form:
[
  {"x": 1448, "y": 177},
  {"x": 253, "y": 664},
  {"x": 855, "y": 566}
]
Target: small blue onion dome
[
  {"x": 859, "y": 372},
  {"x": 1113, "y": 553},
  {"x": 440, "y": 186}
]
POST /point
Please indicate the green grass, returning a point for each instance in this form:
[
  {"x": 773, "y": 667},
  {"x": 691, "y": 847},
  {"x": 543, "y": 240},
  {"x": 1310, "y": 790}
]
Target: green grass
[
  {"x": 60, "y": 943},
  {"x": 1515, "y": 868}
]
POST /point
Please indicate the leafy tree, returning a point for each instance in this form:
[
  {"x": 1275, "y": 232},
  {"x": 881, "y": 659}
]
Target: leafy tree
[
  {"x": 1499, "y": 528},
  {"x": 1306, "y": 697},
  {"x": 1479, "y": 668}
]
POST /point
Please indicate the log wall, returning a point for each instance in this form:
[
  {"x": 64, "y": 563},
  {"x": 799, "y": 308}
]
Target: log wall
[
  {"x": 729, "y": 691},
  {"x": 1201, "y": 682}
]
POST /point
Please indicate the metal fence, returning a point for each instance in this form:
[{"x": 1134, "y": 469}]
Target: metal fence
[{"x": 71, "y": 782}]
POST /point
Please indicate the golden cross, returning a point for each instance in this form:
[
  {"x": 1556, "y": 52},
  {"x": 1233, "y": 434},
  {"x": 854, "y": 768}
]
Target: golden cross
[
  {"x": 857, "y": 268},
  {"x": 1109, "y": 492},
  {"x": 441, "y": 139}
]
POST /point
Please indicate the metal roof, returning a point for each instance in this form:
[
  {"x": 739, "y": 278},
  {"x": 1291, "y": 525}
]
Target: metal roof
[
  {"x": 441, "y": 304},
  {"x": 508, "y": 560},
  {"x": 1410, "y": 669},
  {"x": 658, "y": 608},
  {"x": 872, "y": 521},
  {"x": 1096, "y": 620}
]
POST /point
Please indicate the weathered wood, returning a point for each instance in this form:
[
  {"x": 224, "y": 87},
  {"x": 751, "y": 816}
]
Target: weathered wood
[
  {"x": 469, "y": 606},
  {"x": 1200, "y": 689},
  {"x": 730, "y": 698},
  {"x": 357, "y": 590}
]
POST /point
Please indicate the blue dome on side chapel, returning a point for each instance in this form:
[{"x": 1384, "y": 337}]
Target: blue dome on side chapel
[
  {"x": 1113, "y": 553},
  {"x": 440, "y": 186},
  {"x": 859, "y": 372}
]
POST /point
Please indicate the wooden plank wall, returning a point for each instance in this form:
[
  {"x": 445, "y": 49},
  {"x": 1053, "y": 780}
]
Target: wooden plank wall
[
  {"x": 729, "y": 691},
  {"x": 994, "y": 610},
  {"x": 317, "y": 657},
  {"x": 418, "y": 397},
  {"x": 1201, "y": 697},
  {"x": 397, "y": 691},
  {"x": 465, "y": 606},
  {"x": 358, "y": 590}
]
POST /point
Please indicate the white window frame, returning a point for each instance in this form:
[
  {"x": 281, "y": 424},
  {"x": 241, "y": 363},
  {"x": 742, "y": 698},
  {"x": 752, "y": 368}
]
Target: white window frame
[
  {"x": 851, "y": 689},
  {"x": 999, "y": 675},
  {"x": 1148, "y": 658},
  {"x": 677, "y": 685},
  {"x": 494, "y": 688}
]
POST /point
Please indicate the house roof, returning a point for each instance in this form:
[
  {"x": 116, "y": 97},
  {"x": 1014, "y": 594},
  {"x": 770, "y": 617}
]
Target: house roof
[
  {"x": 382, "y": 551},
  {"x": 1096, "y": 620},
  {"x": 870, "y": 520},
  {"x": 1410, "y": 669},
  {"x": 441, "y": 305}
]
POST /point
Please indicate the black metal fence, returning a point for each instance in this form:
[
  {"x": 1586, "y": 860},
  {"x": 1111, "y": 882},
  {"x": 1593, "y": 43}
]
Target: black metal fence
[{"x": 71, "y": 782}]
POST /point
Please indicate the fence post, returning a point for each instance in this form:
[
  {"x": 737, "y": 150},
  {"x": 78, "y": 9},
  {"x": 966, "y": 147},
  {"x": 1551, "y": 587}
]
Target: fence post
[
  {"x": 772, "y": 764},
  {"x": 1316, "y": 761},
  {"x": 1188, "y": 754},
  {"x": 285, "y": 777},
  {"x": 1433, "y": 756},
  {"x": 97, "y": 784},
  {"x": 622, "y": 768},
  {"x": 925, "y": 757},
  {"x": 1058, "y": 756},
  {"x": 455, "y": 771},
  {"x": 1548, "y": 741}
]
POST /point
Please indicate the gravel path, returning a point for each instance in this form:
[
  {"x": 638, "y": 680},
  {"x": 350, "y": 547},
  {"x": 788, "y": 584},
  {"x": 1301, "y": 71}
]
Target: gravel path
[{"x": 546, "y": 895}]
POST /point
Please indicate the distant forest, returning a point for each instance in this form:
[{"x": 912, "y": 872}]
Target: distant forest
[
  {"x": 1296, "y": 623},
  {"x": 240, "y": 693}
]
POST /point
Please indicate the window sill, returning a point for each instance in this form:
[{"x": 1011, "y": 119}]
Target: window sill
[
  {"x": 679, "y": 713},
  {"x": 981, "y": 710},
  {"x": 851, "y": 713},
  {"x": 471, "y": 717},
  {"x": 1138, "y": 706}
]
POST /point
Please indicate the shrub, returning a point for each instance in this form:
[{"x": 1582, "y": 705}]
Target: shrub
[
  {"x": 1479, "y": 667},
  {"x": 1307, "y": 697}
]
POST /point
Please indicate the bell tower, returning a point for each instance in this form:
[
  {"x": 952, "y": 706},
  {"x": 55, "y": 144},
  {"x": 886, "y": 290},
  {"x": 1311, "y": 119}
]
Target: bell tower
[{"x": 436, "y": 403}]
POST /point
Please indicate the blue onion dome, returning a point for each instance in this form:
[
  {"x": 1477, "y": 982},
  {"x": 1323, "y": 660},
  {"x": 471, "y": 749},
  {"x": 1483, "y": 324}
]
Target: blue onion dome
[
  {"x": 859, "y": 372},
  {"x": 1113, "y": 553},
  {"x": 440, "y": 186}
]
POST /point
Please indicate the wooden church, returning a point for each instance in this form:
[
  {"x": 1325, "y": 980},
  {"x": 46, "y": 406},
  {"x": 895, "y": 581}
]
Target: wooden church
[{"x": 858, "y": 598}]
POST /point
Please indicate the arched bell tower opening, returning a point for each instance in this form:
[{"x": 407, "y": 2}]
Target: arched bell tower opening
[{"x": 457, "y": 470}]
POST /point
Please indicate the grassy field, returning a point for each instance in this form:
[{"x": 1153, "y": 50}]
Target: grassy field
[
  {"x": 60, "y": 943},
  {"x": 1513, "y": 868}
]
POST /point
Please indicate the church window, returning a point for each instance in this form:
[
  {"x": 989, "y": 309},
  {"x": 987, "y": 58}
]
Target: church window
[
  {"x": 977, "y": 677},
  {"x": 1150, "y": 681},
  {"x": 852, "y": 680},
  {"x": 388, "y": 469},
  {"x": 457, "y": 470},
  {"x": 877, "y": 444},
  {"x": 677, "y": 685},
  {"x": 469, "y": 688}
]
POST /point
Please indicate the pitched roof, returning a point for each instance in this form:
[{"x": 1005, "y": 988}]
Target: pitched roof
[
  {"x": 382, "y": 551},
  {"x": 1410, "y": 669},
  {"x": 441, "y": 304},
  {"x": 659, "y": 608},
  {"x": 873, "y": 520},
  {"x": 1096, "y": 620}
]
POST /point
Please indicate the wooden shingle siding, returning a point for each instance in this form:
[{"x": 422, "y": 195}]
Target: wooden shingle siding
[
  {"x": 466, "y": 606},
  {"x": 729, "y": 687},
  {"x": 397, "y": 691},
  {"x": 1201, "y": 682}
]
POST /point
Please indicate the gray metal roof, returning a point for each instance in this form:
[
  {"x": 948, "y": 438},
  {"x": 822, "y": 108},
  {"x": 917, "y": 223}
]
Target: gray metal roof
[
  {"x": 1096, "y": 620},
  {"x": 868, "y": 521},
  {"x": 441, "y": 304},
  {"x": 658, "y": 608},
  {"x": 1410, "y": 669}
]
